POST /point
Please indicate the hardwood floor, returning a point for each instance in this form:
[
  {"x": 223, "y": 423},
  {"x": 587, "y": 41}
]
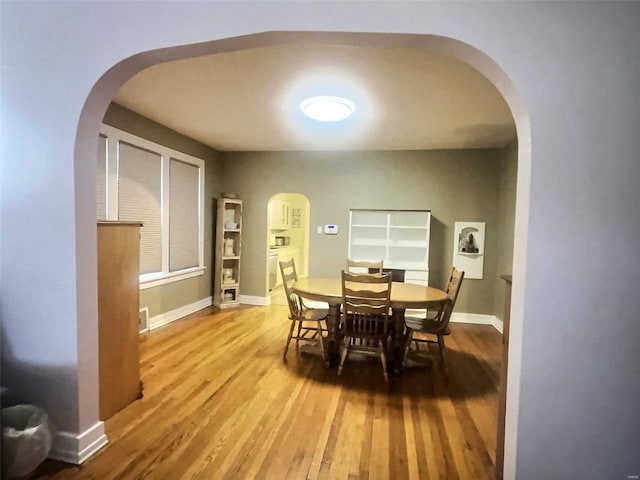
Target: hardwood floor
[{"x": 219, "y": 403}]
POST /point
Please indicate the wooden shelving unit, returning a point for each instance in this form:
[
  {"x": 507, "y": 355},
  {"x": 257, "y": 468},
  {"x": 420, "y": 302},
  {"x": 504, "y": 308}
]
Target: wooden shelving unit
[
  {"x": 118, "y": 305},
  {"x": 228, "y": 253}
]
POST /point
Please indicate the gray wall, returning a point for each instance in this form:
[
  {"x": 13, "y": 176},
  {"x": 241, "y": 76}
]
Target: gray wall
[
  {"x": 505, "y": 220},
  {"x": 165, "y": 298},
  {"x": 456, "y": 185}
]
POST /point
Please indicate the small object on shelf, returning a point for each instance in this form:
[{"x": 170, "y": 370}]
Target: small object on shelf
[
  {"x": 229, "y": 195},
  {"x": 228, "y": 247},
  {"x": 230, "y": 225},
  {"x": 467, "y": 243},
  {"x": 471, "y": 245},
  {"x": 227, "y": 275}
]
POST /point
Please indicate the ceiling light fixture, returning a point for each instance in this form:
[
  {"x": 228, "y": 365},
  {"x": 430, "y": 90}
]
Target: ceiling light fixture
[{"x": 327, "y": 108}]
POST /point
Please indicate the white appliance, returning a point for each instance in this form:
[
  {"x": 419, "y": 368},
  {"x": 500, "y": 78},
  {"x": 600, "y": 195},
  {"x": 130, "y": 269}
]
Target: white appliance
[{"x": 272, "y": 269}]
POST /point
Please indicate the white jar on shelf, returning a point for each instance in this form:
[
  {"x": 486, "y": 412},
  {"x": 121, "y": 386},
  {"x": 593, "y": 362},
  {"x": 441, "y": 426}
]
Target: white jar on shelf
[{"x": 228, "y": 247}]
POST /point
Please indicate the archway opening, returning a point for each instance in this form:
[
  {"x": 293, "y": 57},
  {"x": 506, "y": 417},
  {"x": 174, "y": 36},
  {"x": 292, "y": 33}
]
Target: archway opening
[
  {"x": 287, "y": 239},
  {"x": 106, "y": 87}
]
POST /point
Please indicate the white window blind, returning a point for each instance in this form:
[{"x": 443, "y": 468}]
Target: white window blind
[
  {"x": 184, "y": 216},
  {"x": 139, "y": 199},
  {"x": 101, "y": 179},
  {"x": 141, "y": 181}
]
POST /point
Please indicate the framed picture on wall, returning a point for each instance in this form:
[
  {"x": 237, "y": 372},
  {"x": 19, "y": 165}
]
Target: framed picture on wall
[
  {"x": 468, "y": 249},
  {"x": 295, "y": 218}
]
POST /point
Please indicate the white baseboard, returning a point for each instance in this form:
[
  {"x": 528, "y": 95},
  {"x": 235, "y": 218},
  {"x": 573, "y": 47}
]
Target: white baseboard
[
  {"x": 477, "y": 318},
  {"x": 173, "y": 315},
  {"x": 76, "y": 448},
  {"x": 255, "y": 300}
]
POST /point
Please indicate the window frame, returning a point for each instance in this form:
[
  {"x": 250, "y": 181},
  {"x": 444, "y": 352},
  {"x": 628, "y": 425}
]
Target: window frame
[{"x": 114, "y": 137}]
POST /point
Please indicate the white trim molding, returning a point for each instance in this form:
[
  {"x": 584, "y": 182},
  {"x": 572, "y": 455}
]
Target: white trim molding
[
  {"x": 473, "y": 318},
  {"x": 255, "y": 300},
  {"x": 164, "y": 279},
  {"x": 76, "y": 448},
  {"x": 477, "y": 318},
  {"x": 173, "y": 315}
]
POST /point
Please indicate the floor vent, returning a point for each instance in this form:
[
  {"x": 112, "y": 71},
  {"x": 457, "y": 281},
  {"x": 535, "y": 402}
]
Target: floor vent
[{"x": 143, "y": 319}]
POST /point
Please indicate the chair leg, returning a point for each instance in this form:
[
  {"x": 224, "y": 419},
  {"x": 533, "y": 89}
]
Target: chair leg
[
  {"x": 383, "y": 359},
  {"x": 343, "y": 356},
  {"x": 407, "y": 345},
  {"x": 286, "y": 347},
  {"x": 442, "y": 347},
  {"x": 321, "y": 340},
  {"x": 298, "y": 334},
  {"x": 445, "y": 368}
]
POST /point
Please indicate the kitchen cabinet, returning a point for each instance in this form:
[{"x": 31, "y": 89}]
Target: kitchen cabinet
[
  {"x": 400, "y": 238},
  {"x": 118, "y": 310},
  {"x": 228, "y": 253},
  {"x": 279, "y": 215}
]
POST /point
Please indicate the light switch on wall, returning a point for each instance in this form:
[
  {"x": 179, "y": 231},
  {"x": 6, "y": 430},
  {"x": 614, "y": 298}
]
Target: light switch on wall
[{"x": 320, "y": 229}]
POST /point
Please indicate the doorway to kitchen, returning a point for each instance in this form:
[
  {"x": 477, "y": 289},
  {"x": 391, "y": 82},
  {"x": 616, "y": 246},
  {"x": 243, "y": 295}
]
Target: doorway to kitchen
[{"x": 287, "y": 238}]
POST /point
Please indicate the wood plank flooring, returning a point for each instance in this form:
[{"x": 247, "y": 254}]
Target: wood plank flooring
[{"x": 219, "y": 403}]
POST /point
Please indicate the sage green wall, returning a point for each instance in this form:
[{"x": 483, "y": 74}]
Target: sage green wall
[
  {"x": 173, "y": 295},
  {"x": 508, "y": 159},
  {"x": 456, "y": 185}
]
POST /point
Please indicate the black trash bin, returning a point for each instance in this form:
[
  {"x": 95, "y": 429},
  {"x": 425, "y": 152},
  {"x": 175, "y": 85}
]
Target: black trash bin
[{"x": 26, "y": 440}]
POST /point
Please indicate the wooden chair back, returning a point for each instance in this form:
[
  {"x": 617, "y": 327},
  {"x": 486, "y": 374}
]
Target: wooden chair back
[
  {"x": 361, "y": 266},
  {"x": 365, "y": 304},
  {"x": 289, "y": 278},
  {"x": 453, "y": 289}
]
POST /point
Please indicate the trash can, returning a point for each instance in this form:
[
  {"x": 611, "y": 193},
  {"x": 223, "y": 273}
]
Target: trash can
[{"x": 26, "y": 440}]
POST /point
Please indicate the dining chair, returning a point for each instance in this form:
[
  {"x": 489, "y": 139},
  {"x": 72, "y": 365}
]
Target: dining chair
[
  {"x": 362, "y": 266},
  {"x": 364, "y": 319},
  {"x": 306, "y": 322},
  {"x": 434, "y": 323}
]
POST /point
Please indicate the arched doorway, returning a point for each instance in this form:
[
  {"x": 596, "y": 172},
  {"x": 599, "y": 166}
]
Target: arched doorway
[
  {"x": 287, "y": 238},
  {"x": 112, "y": 80}
]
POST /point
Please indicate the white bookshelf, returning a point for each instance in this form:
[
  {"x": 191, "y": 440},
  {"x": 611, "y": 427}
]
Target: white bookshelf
[{"x": 400, "y": 238}]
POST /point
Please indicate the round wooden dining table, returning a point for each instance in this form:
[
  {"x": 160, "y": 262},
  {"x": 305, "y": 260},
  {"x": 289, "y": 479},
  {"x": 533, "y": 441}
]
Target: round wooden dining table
[{"x": 403, "y": 296}]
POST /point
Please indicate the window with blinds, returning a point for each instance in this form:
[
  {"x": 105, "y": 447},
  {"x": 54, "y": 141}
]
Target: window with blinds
[
  {"x": 138, "y": 180},
  {"x": 183, "y": 215},
  {"x": 139, "y": 199}
]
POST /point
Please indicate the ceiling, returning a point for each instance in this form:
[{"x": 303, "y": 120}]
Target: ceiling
[{"x": 247, "y": 100}]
